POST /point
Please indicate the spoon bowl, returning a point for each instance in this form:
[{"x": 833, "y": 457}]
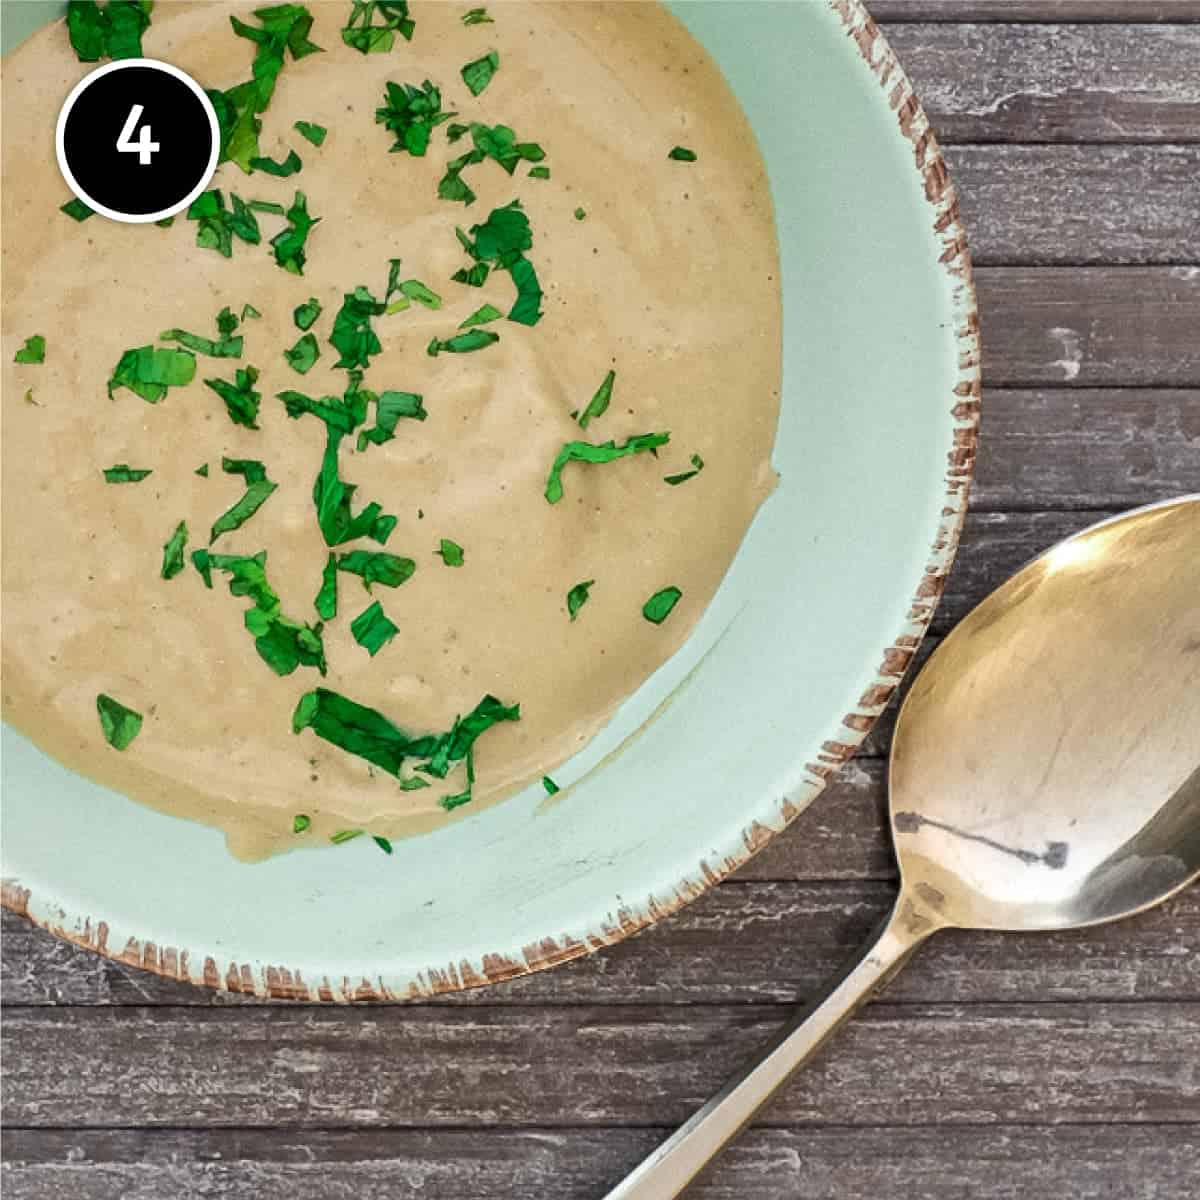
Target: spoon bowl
[{"x": 1045, "y": 774}]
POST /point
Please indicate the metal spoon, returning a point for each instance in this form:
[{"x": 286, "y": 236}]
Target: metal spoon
[{"x": 1045, "y": 774}]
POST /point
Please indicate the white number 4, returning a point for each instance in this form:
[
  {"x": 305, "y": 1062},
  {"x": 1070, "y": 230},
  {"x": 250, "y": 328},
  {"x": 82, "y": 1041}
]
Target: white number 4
[{"x": 144, "y": 148}]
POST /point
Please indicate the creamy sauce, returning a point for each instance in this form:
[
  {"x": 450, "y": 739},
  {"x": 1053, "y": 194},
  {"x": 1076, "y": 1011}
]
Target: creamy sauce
[{"x": 672, "y": 280}]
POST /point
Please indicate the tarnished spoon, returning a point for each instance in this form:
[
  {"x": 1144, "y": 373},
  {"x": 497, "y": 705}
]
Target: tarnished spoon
[{"x": 1045, "y": 774}]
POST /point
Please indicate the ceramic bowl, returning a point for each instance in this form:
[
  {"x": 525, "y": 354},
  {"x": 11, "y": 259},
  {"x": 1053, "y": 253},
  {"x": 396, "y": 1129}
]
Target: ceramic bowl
[{"x": 729, "y": 741}]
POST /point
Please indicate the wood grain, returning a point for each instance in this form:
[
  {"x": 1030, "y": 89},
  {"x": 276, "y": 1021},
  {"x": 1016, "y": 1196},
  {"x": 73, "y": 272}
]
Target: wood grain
[
  {"x": 610, "y": 1064},
  {"x": 1055, "y": 83},
  {"x": 1049, "y": 11},
  {"x": 1000, "y": 1162}
]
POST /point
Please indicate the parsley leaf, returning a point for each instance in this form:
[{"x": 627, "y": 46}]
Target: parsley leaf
[
  {"x": 658, "y": 608},
  {"x": 389, "y": 408},
  {"x": 114, "y": 31},
  {"x": 124, "y": 473},
  {"x": 258, "y": 490},
  {"x": 376, "y": 567},
  {"x": 217, "y": 225},
  {"x": 301, "y": 823},
  {"x": 226, "y": 345},
  {"x": 346, "y": 835},
  {"x": 120, "y": 725},
  {"x": 497, "y": 142},
  {"x": 311, "y": 132},
  {"x": 451, "y": 553},
  {"x": 607, "y": 452},
  {"x": 372, "y": 629},
  {"x": 502, "y": 240},
  {"x": 77, "y": 210},
  {"x": 478, "y": 74},
  {"x": 577, "y": 597},
  {"x": 34, "y": 350},
  {"x": 303, "y": 354},
  {"x": 551, "y": 787},
  {"x": 580, "y": 214},
  {"x": 539, "y": 172},
  {"x": 332, "y": 496},
  {"x": 306, "y": 314},
  {"x": 202, "y": 471},
  {"x": 682, "y": 154},
  {"x": 281, "y": 170},
  {"x": 477, "y": 16},
  {"x": 241, "y": 400},
  {"x": 172, "y": 562},
  {"x": 382, "y": 843},
  {"x": 598, "y": 404},
  {"x": 462, "y": 343},
  {"x": 482, "y": 316},
  {"x": 416, "y": 291},
  {"x": 352, "y": 336},
  {"x": 149, "y": 372},
  {"x": 361, "y": 33},
  {"x": 411, "y": 113},
  {"x": 248, "y": 310},
  {"x": 326, "y": 601},
  {"x": 289, "y": 245},
  {"x": 267, "y": 206},
  {"x": 684, "y": 476}
]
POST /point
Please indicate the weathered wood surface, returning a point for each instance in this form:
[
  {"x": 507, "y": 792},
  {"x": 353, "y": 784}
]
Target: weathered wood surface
[
  {"x": 1048, "y": 11},
  {"x": 997, "y": 1162}
]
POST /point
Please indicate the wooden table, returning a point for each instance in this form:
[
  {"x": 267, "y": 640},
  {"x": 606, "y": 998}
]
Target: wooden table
[{"x": 1046, "y": 1067}]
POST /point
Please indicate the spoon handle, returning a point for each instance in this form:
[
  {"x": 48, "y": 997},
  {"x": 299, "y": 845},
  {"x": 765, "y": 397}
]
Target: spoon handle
[{"x": 668, "y": 1170}]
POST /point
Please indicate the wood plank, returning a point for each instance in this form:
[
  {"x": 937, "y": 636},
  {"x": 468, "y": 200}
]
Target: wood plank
[
  {"x": 1047, "y": 11},
  {"x": 585, "y": 1065},
  {"x": 726, "y": 948},
  {"x": 1002, "y": 1162},
  {"x": 1055, "y": 83},
  {"x": 1090, "y": 327},
  {"x": 1034, "y": 205}
]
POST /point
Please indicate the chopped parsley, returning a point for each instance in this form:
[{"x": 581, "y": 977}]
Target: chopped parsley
[
  {"x": 411, "y": 113},
  {"x": 124, "y": 473},
  {"x": 682, "y": 154},
  {"x": 288, "y": 245},
  {"x": 477, "y": 16},
  {"x": 345, "y": 835},
  {"x": 217, "y": 226},
  {"x": 311, "y": 132},
  {"x": 114, "y": 31},
  {"x": 149, "y": 372},
  {"x": 226, "y": 346},
  {"x": 451, "y": 553},
  {"x": 462, "y": 343},
  {"x": 282, "y": 644},
  {"x": 165, "y": 223},
  {"x": 258, "y": 490},
  {"x": 326, "y": 601},
  {"x": 658, "y": 608},
  {"x": 352, "y": 336},
  {"x": 539, "y": 172},
  {"x": 684, "y": 476},
  {"x": 301, "y": 823},
  {"x": 34, "y": 350},
  {"x": 303, "y": 354},
  {"x": 172, "y": 561},
  {"x": 241, "y": 400},
  {"x": 598, "y": 404},
  {"x": 580, "y": 214},
  {"x": 551, "y": 787},
  {"x": 372, "y": 629},
  {"x": 577, "y": 597},
  {"x": 478, "y": 74},
  {"x": 607, "y": 452},
  {"x": 497, "y": 142},
  {"x": 306, "y": 314},
  {"x": 202, "y": 471},
  {"x": 502, "y": 241},
  {"x": 281, "y": 170},
  {"x": 375, "y": 567},
  {"x": 120, "y": 725},
  {"x": 414, "y": 291},
  {"x": 248, "y": 310},
  {"x": 361, "y": 33},
  {"x": 382, "y": 843},
  {"x": 389, "y": 408},
  {"x": 77, "y": 210},
  {"x": 483, "y": 315},
  {"x": 267, "y": 206}
]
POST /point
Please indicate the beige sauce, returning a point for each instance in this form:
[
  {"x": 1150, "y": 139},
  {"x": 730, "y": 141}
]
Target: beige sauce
[{"x": 672, "y": 279}]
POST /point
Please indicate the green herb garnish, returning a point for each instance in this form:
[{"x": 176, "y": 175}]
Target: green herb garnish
[
  {"x": 389, "y": 408},
  {"x": 577, "y": 597},
  {"x": 124, "y": 473},
  {"x": 202, "y": 471},
  {"x": 172, "y": 561},
  {"x": 114, "y": 31},
  {"x": 374, "y": 567},
  {"x": 658, "y": 608},
  {"x": 462, "y": 343},
  {"x": 149, "y": 372},
  {"x": 580, "y": 214},
  {"x": 345, "y": 835},
  {"x": 282, "y": 644},
  {"x": 482, "y": 316},
  {"x": 598, "y": 404},
  {"x": 539, "y": 172},
  {"x": 311, "y": 132},
  {"x": 306, "y": 314},
  {"x": 218, "y": 225},
  {"x": 415, "y": 291},
  {"x": 267, "y": 206},
  {"x": 607, "y": 452},
  {"x": 497, "y": 142},
  {"x": 226, "y": 345},
  {"x": 411, "y": 113},
  {"x": 301, "y": 823},
  {"x": 502, "y": 240},
  {"x": 382, "y": 843},
  {"x": 303, "y": 354},
  {"x": 352, "y": 336},
  {"x": 478, "y": 74},
  {"x": 34, "y": 350},
  {"x": 241, "y": 400},
  {"x": 326, "y": 602},
  {"x": 288, "y": 246},
  {"x": 682, "y": 154},
  {"x": 361, "y": 32},
  {"x": 372, "y": 629},
  {"x": 451, "y": 553},
  {"x": 281, "y": 170},
  {"x": 77, "y": 210},
  {"x": 477, "y": 16},
  {"x": 258, "y": 490},
  {"x": 165, "y": 223},
  {"x": 684, "y": 476},
  {"x": 248, "y": 310},
  {"x": 120, "y": 725},
  {"x": 551, "y": 787}
]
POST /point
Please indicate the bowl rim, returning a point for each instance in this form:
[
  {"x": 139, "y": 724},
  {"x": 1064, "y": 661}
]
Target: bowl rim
[{"x": 279, "y": 983}]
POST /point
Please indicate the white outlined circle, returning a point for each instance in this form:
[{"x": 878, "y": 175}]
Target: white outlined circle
[{"x": 107, "y": 69}]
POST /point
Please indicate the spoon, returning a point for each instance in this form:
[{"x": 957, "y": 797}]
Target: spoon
[{"x": 1045, "y": 774}]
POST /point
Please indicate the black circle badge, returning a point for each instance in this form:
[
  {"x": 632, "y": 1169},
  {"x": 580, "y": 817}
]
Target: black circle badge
[{"x": 137, "y": 140}]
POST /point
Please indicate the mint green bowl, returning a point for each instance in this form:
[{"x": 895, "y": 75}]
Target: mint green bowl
[{"x": 797, "y": 656}]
